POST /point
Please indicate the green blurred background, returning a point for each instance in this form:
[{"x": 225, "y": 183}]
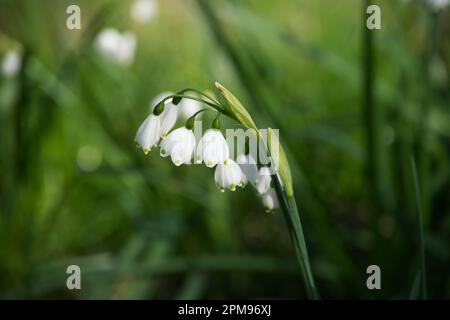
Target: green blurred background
[{"x": 353, "y": 107}]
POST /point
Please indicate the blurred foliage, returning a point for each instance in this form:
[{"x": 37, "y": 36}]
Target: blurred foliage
[{"x": 352, "y": 107}]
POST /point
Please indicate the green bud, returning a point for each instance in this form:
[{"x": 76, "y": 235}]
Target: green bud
[
  {"x": 236, "y": 108},
  {"x": 283, "y": 165},
  {"x": 159, "y": 108}
]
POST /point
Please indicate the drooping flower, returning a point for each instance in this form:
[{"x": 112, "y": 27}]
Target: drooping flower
[
  {"x": 248, "y": 166},
  {"x": 169, "y": 115},
  {"x": 143, "y": 11},
  {"x": 228, "y": 175},
  {"x": 270, "y": 200},
  {"x": 263, "y": 180},
  {"x": 168, "y": 118},
  {"x": 179, "y": 145},
  {"x": 148, "y": 134},
  {"x": 117, "y": 46},
  {"x": 12, "y": 61},
  {"x": 212, "y": 148}
]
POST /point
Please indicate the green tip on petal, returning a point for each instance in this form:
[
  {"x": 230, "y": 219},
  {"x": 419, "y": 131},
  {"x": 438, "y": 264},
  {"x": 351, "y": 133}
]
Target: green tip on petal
[
  {"x": 232, "y": 186},
  {"x": 225, "y": 162},
  {"x": 147, "y": 150},
  {"x": 209, "y": 163},
  {"x": 163, "y": 152}
]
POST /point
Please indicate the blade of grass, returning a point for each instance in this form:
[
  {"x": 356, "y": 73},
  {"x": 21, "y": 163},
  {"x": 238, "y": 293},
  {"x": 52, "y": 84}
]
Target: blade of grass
[
  {"x": 423, "y": 277},
  {"x": 371, "y": 111},
  {"x": 414, "y": 293}
]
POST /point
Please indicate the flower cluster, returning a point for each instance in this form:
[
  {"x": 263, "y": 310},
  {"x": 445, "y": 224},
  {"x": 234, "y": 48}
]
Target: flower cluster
[{"x": 212, "y": 149}]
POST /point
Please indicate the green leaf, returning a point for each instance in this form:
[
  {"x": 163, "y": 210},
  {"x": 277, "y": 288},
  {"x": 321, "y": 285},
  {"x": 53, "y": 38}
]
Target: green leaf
[
  {"x": 283, "y": 165},
  {"x": 236, "y": 108}
]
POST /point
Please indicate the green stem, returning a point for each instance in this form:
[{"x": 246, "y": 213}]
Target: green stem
[
  {"x": 215, "y": 106},
  {"x": 200, "y": 111},
  {"x": 290, "y": 212},
  {"x": 200, "y": 93},
  {"x": 219, "y": 107}
]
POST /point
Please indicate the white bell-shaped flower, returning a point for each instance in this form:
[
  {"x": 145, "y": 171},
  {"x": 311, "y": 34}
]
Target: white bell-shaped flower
[
  {"x": 179, "y": 145},
  {"x": 11, "y": 63},
  {"x": 148, "y": 133},
  {"x": 212, "y": 148},
  {"x": 169, "y": 115},
  {"x": 270, "y": 200},
  {"x": 263, "y": 180},
  {"x": 168, "y": 118},
  {"x": 127, "y": 48},
  {"x": 228, "y": 175},
  {"x": 248, "y": 167}
]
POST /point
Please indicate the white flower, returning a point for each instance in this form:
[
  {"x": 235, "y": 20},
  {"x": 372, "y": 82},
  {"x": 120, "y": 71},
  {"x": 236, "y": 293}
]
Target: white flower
[
  {"x": 248, "y": 167},
  {"x": 270, "y": 200},
  {"x": 168, "y": 118},
  {"x": 263, "y": 180},
  {"x": 180, "y": 145},
  {"x": 12, "y": 61},
  {"x": 148, "y": 133},
  {"x": 117, "y": 46},
  {"x": 212, "y": 148},
  {"x": 125, "y": 53},
  {"x": 228, "y": 175},
  {"x": 144, "y": 10},
  {"x": 169, "y": 115},
  {"x": 188, "y": 107},
  {"x": 438, "y": 4}
]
